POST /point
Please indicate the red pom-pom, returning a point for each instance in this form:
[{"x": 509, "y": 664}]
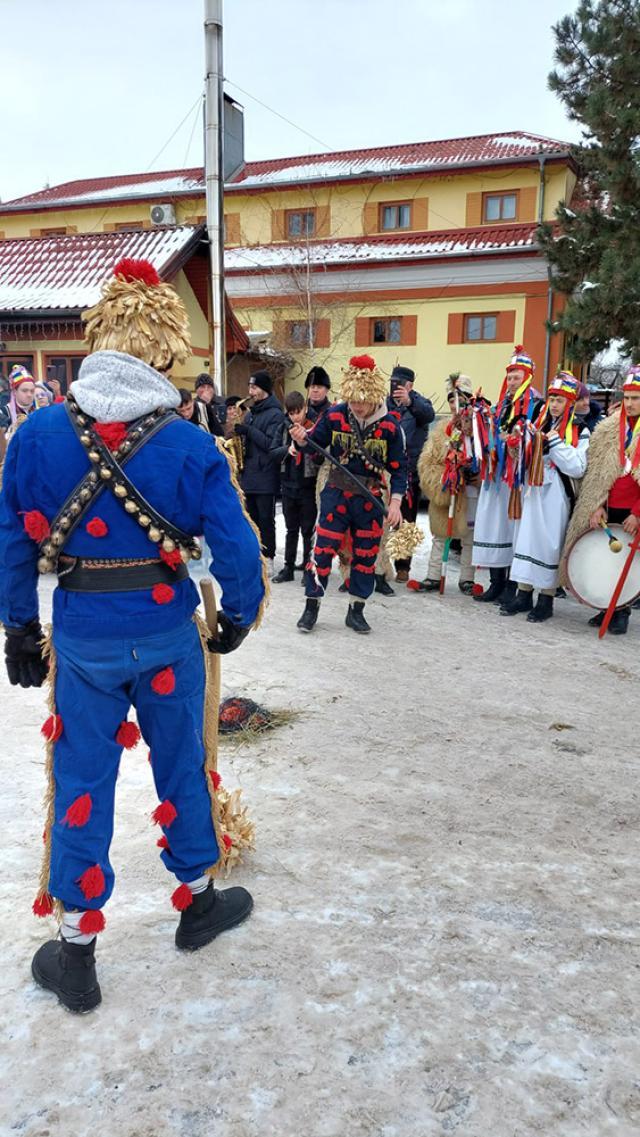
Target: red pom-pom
[
  {"x": 341, "y": 509},
  {"x": 226, "y": 841},
  {"x": 52, "y": 728},
  {"x": 368, "y": 505},
  {"x": 215, "y": 778},
  {"x": 518, "y": 348},
  {"x": 128, "y": 735},
  {"x": 92, "y": 882},
  {"x": 164, "y": 682},
  {"x": 112, "y": 434},
  {"x": 377, "y": 433},
  {"x": 477, "y": 590},
  {"x": 91, "y": 922},
  {"x": 329, "y": 517},
  {"x": 394, "y": 465},
  {"x": 43, "y": 905},
  {"x": 97, "y": 527},
  {"x": 362, "y": 362},
  {"x": 163, "y": 842},
  {"x": 130, "y": 269},
  {"x": 162, "y": 593},
  {"x": 414, "y": 585},
  {"x": 36, "y": 525},
  {"x": 164, "y": 814},
  {"x": 182, "y": 897},
  {"x": 173, "y": 559},
  {"x": 78, "y": 812}
]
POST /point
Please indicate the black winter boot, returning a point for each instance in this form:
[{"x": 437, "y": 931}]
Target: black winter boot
[
  {"x": 307, "y": 621},
  {"x": 284, "y": 575},
  {"x": 210, "y": 913},
  {"x": 69, "y": 970},
  {"x": 522, "y": 602},
  {"x": 542, "y": 611},
  {"x": 382, "y": 586},
  {"x": 355, "y": 618},
  {"x": 508, "y": 592},
  {"x": 596, "y": 621},
  {"x": 619, "y": 622},
  {"x": 427, "y": 585},
  {"x": 498, "y": 577}
]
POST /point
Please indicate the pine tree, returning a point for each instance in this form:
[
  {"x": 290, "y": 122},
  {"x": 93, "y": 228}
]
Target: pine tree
[{"x": 594, "y": 248}]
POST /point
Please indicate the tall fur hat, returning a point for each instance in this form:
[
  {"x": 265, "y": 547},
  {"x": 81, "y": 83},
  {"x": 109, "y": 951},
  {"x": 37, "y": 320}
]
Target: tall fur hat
[
  {"x": 362, "y": 381},
  {"x": 141, "y": 315}
]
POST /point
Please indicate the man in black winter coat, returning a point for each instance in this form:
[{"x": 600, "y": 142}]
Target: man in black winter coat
[
  {"x": 416, "y": 413},
  {"x": 298, "y": 475},
  {"x": 317, "y": 385},
  {"x": 262, "y": 431}
]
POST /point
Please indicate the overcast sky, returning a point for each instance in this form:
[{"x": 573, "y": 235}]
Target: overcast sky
[{"x": 89, "y": 89}]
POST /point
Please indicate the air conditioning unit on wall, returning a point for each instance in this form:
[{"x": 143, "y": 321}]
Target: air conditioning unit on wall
[{"x": 162, "y": 215}]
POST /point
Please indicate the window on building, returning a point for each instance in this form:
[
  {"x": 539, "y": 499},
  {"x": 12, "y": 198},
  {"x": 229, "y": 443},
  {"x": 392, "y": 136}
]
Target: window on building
[
  {"x": 126, "y": 226},
  {"x": 300, "y": 333},
  {"x": 479, "y": 329},
  {"x": 301, "y": 222},
  {"x": 64, "y": 368},
  {"x": 386, "y": 330},
  {"x": 58, "y": 231},
  {"x": 396, "y": 215},
  {"x": 500, "y": 207}
]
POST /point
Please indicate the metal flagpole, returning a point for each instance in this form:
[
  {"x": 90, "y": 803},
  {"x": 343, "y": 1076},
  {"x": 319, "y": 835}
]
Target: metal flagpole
[{"x": 213, "y": 167}]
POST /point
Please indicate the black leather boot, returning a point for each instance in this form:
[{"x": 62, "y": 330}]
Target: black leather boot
[
  {"x": 508, "y": 592},
  {"x": 619, "y": 622},
  {"x": 427, "y": 585},
  {"x": 522, "y": 602},
  {"x": 498, "y": 577},
  {"x": 307, "y": 621},
  {"x": 69, "y": 970},
  {"x": 355, "y": 618},
  {"x": 596, "y": 621},
  {"x": 284, "y": 575},
  {"x": 382, "y": 586},
  {"x": 542, "y": 611},
  {"x": 210, "y": 913}
]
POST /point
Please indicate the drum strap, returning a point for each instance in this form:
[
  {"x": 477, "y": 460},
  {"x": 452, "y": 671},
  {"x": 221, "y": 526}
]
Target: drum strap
[{"x": 568, "y": 489}]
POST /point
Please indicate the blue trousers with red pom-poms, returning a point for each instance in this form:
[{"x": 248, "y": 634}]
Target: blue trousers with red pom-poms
[
  {"x": 340, "y": 513},
  {"x": 97, "y": 682}
]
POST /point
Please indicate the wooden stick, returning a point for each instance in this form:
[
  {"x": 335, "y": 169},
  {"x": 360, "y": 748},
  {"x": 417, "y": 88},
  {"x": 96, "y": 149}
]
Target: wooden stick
[
  {"x": 210, "y": 606},
  {"x": 635, "y": 544}
]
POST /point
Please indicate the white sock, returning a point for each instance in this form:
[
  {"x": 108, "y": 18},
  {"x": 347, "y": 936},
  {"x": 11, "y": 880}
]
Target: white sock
[
  {"x": 199, "y": 885},
  {"x": 70, "y": 931}
]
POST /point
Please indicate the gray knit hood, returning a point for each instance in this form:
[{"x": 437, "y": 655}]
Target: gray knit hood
[{"x": 115, "y": 387}]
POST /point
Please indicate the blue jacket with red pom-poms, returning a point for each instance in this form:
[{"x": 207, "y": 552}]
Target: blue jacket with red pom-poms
[
  {"x": 179, "y": 471},
  {"x": 383, "y": 439}
]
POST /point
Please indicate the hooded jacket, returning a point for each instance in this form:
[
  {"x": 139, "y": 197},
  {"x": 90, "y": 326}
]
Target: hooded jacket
[{"x": 262, "y": 431}]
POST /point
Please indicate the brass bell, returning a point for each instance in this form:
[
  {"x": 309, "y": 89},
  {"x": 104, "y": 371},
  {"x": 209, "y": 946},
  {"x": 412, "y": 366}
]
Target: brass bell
[
  {"x": 85, "y": 494},
  {"x": 144, "y": 520},
  {"x": 74, "y": 508},
  {"x": 130, "y": 506},
  {"x": 45, "y": 565},
  {"x": 81, "y": 419},
  {"x": 120, "y": 490},
  {"x": 105, "y": 473},
  {"x": 94, "y": 455},
  {"x": 126, "y": 445},
  {"x": 196, "y": 552},
  {"x": 65, "y": 521},
  {"x": 154, "y": 535},
  {"x": 92, "y": 477},
  {"x": 48, "y": 549},
  {"x": 57, "y": 537},
  {"x": 85, "y": 439},
  {"x": 168, "y": 545}
]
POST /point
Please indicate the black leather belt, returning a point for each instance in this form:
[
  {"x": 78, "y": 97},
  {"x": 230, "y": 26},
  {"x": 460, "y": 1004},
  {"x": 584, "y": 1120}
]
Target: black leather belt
[{"x": 119, "y": 576}]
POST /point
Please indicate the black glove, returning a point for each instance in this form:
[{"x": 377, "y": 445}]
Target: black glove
[
  {"x": 230, "y": 636},
  {"x": 24, "y": 657},
  {"x": 241, "y": 428}
]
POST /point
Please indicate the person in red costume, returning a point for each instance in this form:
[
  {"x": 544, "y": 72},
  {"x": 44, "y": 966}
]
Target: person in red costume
[{"x": 610, "y": 489}]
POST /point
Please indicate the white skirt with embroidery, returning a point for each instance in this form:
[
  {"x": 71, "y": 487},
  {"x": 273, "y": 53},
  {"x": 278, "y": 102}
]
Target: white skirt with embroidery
[{"x": 494, "y": 532}]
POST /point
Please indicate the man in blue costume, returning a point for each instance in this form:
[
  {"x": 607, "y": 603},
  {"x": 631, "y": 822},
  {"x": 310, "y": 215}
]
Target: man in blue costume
[{"x": 109, "y": 491}]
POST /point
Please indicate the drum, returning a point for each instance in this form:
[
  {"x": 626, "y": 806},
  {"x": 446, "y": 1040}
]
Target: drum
[{"x": 593, "y": 569}]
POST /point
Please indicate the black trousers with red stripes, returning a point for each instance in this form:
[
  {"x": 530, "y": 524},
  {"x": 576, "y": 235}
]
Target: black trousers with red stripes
[{"x": 343, "y": 512}]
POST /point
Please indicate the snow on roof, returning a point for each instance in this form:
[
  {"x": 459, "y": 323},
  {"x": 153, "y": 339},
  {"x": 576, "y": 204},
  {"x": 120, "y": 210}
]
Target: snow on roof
[
  {"x": 451, "y": 243},
  {"x": 379, "y": 161},
  {"x": 67, "y": 272}
]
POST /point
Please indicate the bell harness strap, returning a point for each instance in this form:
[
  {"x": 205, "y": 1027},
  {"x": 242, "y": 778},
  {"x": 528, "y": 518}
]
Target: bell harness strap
[{"x": 108, "y": 472}]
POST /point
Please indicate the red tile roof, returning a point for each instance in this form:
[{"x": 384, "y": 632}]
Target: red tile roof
[
  {"x": 66, "y": 273},
  {"x": 485, "y": 239},
  {"x": 452, "y": 153}
]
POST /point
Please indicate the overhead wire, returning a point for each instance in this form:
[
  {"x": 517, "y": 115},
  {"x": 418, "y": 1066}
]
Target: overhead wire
[{"x": 278, "y": 115}]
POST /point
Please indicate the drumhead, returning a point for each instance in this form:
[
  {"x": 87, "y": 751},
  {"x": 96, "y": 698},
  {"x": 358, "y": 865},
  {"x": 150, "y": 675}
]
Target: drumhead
[{"x": 593, "y": 569}]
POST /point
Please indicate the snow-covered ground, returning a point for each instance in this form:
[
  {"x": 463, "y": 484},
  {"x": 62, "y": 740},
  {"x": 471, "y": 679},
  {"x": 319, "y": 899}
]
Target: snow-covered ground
[{"x": 445, "y": 937}]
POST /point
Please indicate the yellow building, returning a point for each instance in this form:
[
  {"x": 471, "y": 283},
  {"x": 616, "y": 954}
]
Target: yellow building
[{"x": 422, "y": 254}]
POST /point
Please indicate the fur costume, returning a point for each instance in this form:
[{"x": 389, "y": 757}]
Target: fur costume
[
  {"x": 430, "y": 467},
  {"x": 602, "y": 471}
]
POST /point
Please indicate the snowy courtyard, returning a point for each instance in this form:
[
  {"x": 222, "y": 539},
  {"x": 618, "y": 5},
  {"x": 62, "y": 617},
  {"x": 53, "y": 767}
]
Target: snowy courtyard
[{"x": 445, "y": 934}]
